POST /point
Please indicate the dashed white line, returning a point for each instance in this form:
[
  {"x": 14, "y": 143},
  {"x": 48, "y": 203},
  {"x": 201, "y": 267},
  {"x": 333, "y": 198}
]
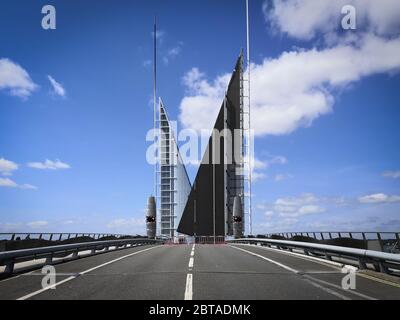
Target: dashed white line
[
  {"x": 189, "y": 287},
  {"x": 79, "y": 274},
  {"x": 191, "y": 262}
]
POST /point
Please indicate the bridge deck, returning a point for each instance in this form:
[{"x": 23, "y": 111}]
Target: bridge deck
[{"x": 211, "y": 272}]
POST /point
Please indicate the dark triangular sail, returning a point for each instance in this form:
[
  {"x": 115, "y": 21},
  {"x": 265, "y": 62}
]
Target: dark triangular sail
[{"x": 208, "y": 211}]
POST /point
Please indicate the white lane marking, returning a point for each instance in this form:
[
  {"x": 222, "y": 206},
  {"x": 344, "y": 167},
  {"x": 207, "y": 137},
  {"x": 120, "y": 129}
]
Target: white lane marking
[
  {"x": 336, "y": 294},
  {"x": 189, "y": 287},
  {"x": 302, "y": 256},
  {"x": 312, "y": 279},
  {"x": 192, "y": 254},
  {"x": 339, "y": 287},
  {"x": 191, "y": 262},
  {"x": 193, "y": 246},
  {"x": 269, "y": 260},
  {"x": 81, "y": 273}
]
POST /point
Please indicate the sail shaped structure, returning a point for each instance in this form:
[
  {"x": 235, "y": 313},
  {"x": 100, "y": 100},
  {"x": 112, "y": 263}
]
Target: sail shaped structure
[
  {"x": 209, "y": 208},
  {"x": 173, "y": 183}
]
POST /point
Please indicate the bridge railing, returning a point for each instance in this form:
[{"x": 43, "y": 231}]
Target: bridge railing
[
  {"x": 381, "y": 261},
  {"x": 379, "y": 241},
  {"x": 10, "y": 258},
  {"x": 55, "y": 236}
]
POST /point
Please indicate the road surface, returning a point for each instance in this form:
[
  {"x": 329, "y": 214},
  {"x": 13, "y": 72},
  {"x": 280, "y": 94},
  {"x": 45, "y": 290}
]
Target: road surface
[{"x": 210, "y": 272}]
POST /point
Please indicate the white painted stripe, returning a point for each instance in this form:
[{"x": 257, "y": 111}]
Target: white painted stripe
[
  {"x": 300, "y": 256},
  {"x": 192, "y": 254},
  {"x": 81, "y": 273},
  {"x": 189, "y": 287},
  {"x": 191, "y": 262},
  {"x": 340, "y": 288},
  {"x": 269, "y": 260},
  {"x": 334, "y": 293}
]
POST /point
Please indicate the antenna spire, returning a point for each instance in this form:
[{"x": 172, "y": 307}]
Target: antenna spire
[
  {"x": 249, "y": 155},
  {"x": 155, "y": 95}
]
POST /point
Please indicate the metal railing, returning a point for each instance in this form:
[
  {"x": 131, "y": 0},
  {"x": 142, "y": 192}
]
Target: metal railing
[
  {"x": 381, "y": 261},
  {"x": 338, "y": 234},
  {"x": 56, "y": 236},
  {"x": 10, "y": 258}
]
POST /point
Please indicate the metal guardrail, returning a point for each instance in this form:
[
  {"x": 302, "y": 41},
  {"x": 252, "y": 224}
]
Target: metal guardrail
[
  {"x": 9, "y": 258},
  {"x": 327, "y": 235},
  {"x": 381, "y": 260},
  {"x": 54, "y": 236}
]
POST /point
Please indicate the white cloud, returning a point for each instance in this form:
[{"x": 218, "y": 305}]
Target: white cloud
[
  {"x": 310, "y": 209},
  {"x": 391, "y": 174},
  {"x": 49, "y": 165},
  {"x": 172, "y": 53},
  {"x": 7, "y": 167},
  {"x": 294, "y": 207},
  {"x": 15, "y": 79},
  {"x": 8, "y": 183},
  {"x": 303, "y": 19},
  {"x": 37, "y": 224},
  {"x": 294, "y": 89},
  {"x": 379, "y": 198},
  {"x": 58, "y": 89},
  {"x": 27, "y": 186}
]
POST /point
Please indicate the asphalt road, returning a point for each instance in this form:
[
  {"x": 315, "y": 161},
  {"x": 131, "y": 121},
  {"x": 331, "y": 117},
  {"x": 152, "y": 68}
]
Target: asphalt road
[{"x": 210, "y": 272}]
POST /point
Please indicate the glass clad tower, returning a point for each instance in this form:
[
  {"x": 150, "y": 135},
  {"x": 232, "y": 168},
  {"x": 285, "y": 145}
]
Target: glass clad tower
[{"x": 174, "y": 185}]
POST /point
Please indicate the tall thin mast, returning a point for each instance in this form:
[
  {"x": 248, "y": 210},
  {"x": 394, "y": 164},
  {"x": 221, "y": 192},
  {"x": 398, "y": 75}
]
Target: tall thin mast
[
  {"x": 154, "y": 97},
  {"x": 249, "y": 120}
]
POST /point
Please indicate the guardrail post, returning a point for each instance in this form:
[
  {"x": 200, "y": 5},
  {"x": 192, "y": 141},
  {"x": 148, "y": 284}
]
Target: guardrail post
[
  {"x": 339, "y": 235},
  {"x": 330, "y": 235},
  {"x": 49, "y": 259},
  {"x": 51, "y": 237},
  {"x": 69, "y": 235},
  {"x": 322, "y": 236},
  {"x": 59, "y": 239},
  {"x": 382, "y": 267},
  {"x": 9, "y": 267},
  {"x": 75, "y": 254},
  {"x": 350, "y": 235},
  {"x": 40, "y": 237},
  {"x": 361, "y": 264},
  {"x": 13, "y": 237},
  {"x": 328, "y": 257},
  {"x": 363, "y": 235},
  {"x": 306, "y": 252},
  {"x": 397, "y": 237}
]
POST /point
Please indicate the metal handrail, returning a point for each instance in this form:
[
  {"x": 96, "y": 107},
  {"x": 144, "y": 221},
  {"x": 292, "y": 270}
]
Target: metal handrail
[
  {"x": 324, "y": 235},
  {"x": 9, "y": 258},
  {"x": 68, "y": 235},
  {"x": 381, "y": 259}
]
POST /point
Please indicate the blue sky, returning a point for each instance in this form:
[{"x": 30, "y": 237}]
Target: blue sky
[{"x": 326, "y": 108}]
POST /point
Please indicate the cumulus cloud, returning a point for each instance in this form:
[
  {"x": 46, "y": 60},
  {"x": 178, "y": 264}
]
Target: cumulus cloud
[
  {"x": 391, "y": 174},
  {"x": 294, "y": 207},
  {"x": 7, "y": 167},
  {"x": 49, "y": 165},
  {"x": 379, "y": 198},
  {"x": 294, "y": 89},
  {"x": 58, "y": 89},
  {"x": 8, "y": 183},
  {"x": 15, "y": 79},
  {"x": 304, "y": 19}
]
